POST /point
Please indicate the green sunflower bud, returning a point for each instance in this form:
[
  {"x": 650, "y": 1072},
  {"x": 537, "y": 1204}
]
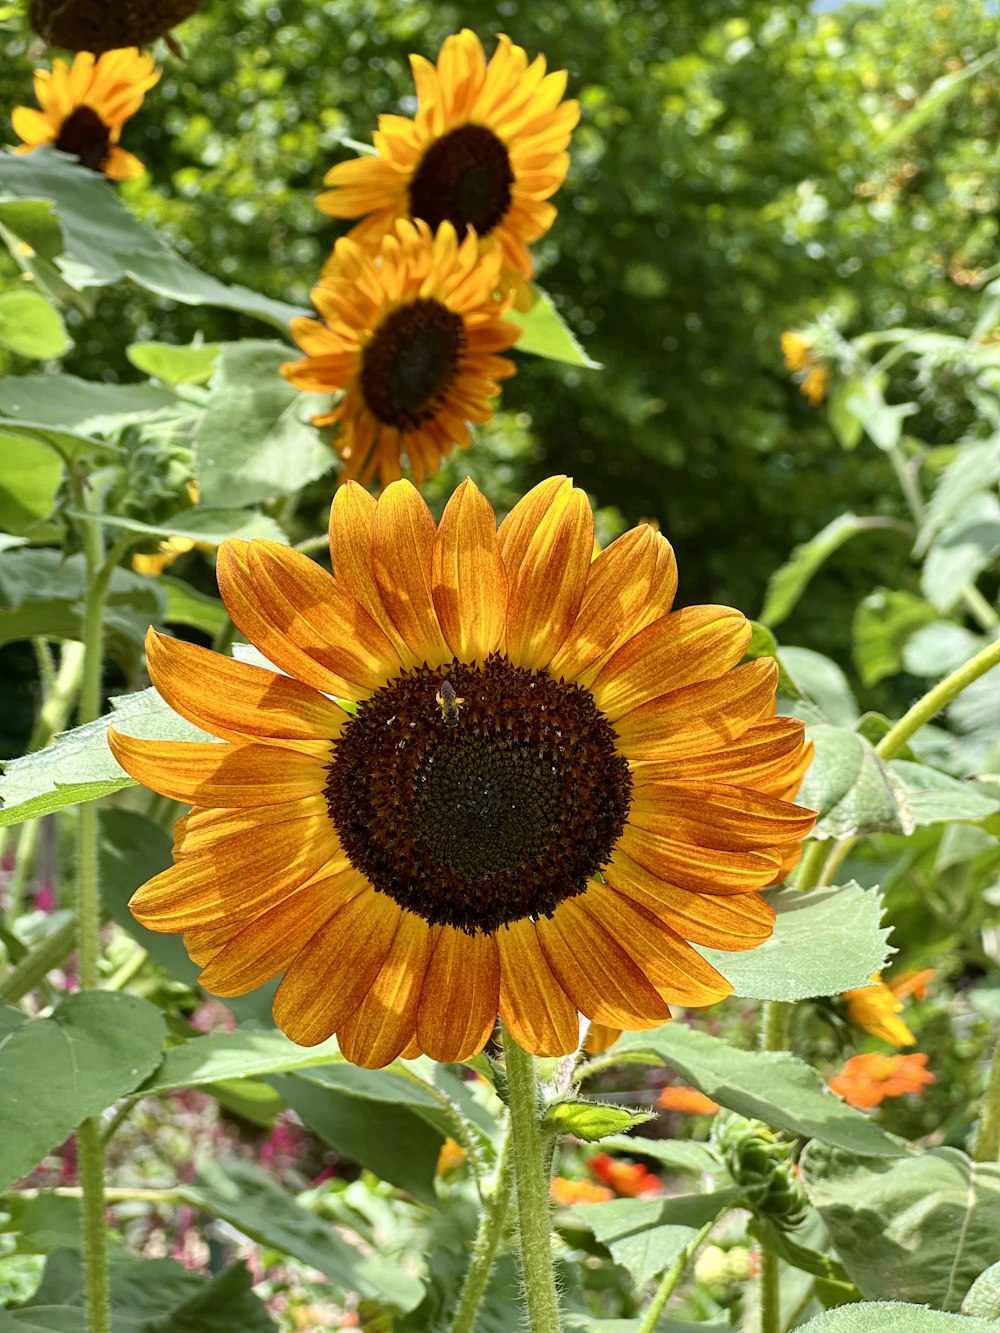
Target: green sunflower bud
[{"x": 760, "y": 1163}]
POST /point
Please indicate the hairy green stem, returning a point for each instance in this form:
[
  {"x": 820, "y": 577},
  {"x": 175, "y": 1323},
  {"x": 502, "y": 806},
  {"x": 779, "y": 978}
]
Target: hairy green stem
[
  {"x": 774, "y": 1025},
  {"x": 773, "y": 1037},
  {"x": 90, "y": 1142},
  {"x": 534, "y": 1227},
  {"x": 46, "y": 955},
  {"x": 673, "y": 1275},
  {"x": 987, "y": 1146},
  {"x": 492, "y": 1216}
]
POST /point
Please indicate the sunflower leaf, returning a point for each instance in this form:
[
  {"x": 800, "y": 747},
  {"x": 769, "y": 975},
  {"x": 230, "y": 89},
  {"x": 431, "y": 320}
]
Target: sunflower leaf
[
  {"x": 30, "y": 476},
  {"x": 31, "y": 327},
  {"x": 788, "y": 583},
  {"x": 772, "y": 1086},
  {"x": 592, "y": 1121},
  {"x": 545, "y": 333},
  {"x": 893, "y": 1317},
  {"x": 825, "y": 942},
  {"x": 921, "y": 1227},
  {"x": 54, "y": 1072},
  {"x": 853, "y": 790}
]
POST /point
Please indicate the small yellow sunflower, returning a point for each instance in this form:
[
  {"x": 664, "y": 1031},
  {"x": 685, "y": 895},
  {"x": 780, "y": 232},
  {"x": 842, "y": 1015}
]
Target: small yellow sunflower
[
  {"x": 876, "y": 1009},
  {"x": 412, "y": 337},
  {"x": 84, "y": 107},
  {"x": 550, "y": 852},
  {"x": 487, "y": 150}
]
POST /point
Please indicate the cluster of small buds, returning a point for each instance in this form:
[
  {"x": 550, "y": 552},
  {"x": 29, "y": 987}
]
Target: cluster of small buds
[{"x": 760, "y": 1163}]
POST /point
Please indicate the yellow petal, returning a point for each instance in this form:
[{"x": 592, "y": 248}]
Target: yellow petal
[
  {"x": 402, "y": 561},
  {"x": 385, "y": 1021},
  {"x": 533, "y": 1005},
  {"x": 450, "y": 1028},
  {"x": 469, "y": 580}
]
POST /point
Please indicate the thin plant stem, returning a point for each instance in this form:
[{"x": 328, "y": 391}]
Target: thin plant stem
[
  {"x": 34, "y": 966},
  {"x": 491, "y": 1223},
  {"x": 131, "y": 966},
  {"x": 673, "y": 1275},
  {"x": 166, "y": 1196},
  {"x": 987, "y": 1146},
  {"x": 534, "y": 1228},
  {"x": 90, "y": 1143},
  {"x": 773, "y": 1037}
]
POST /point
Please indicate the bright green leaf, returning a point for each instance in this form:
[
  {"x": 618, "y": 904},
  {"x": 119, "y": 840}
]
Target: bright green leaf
[
  {"x": 82, "y": 407},
  {"x": 883, "y": 623},
  {"x": 203, "y": 524},
  {"x": 188, "y": 606},
  {"x": 825, "y": 942},
  {"x": 863, "y": 399},
  {"x": 933, "y": 797},
  {"x": 54, "y": 1072},
  {"x": 591, "y": 1121},
  {"x": 30, "y": 477},
  {"x": 684, "y": 1156},
  {"x": 241, "y": 1054},
  {"x": 545, "y": 333},
  {"x": 853, "y": 790},
  {"x": 960, "y": 552},
  {"x": 973, "y": 471},
  {"x": 255, "y": 440},
  {"x": 255, "y": 1204},
  {"x": 31, "y": 327},
  {"x": 646, "y": 1235},
  {"x": 921, "y": 1227},
  {"x": 772, "y": 1086},
  {"x": 983, "y": 1297},
  {"x": 787, "y": 584},
  {"x": 175, "y": 365},
  {"x": 821, "y": 680},
  {"x": 892, "y": 1317}
]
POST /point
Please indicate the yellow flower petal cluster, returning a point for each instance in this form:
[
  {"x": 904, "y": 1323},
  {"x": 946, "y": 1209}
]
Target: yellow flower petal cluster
[
  {"x": 602, "y": 797},
  {"x": 84, "y": 106},
  {"x": 486, "y": 150},
  {"x": 812, "y": 377},
  {"x": 412, "y": 337},
  {"x": 876, "y": 1009}
]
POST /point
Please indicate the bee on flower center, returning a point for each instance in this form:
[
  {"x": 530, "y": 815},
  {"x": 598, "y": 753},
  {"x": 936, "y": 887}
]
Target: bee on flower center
[{"x": 448, "y": 701}]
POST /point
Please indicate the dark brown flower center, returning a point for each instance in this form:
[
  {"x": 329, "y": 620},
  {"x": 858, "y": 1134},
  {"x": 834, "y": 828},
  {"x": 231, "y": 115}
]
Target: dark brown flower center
[
  {"x": 410, "y": 363},
  {"x": 85, "y": 135},
  {"x": 464, "y": 178},
  {"x": 499, "y": 816}
]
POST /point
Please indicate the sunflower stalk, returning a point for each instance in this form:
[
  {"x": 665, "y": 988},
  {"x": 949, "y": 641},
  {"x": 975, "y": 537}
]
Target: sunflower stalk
[
  {"x": 987, "y": 1147},
  {"x": 100, "y": 567},
  {"x": 491, "y": 1224},
  {"x": 534, "y": 1228},
  {"x": 775, "y": 1019}
]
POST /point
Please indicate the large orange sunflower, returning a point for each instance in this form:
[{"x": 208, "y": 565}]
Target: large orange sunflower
[
  {"x": 411, "y": 336},
  {"x": 487, "y": 150},
  {"x": 85, "y": 105},
  {"x": 539, "y": 790}
]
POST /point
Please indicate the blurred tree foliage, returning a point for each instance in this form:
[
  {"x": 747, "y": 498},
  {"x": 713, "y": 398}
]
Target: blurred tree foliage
[{"x": 728, "y": 182}]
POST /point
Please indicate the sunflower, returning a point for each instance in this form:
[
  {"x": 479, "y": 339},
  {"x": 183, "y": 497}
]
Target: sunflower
[
  {"x": 486, "y": 151},
  {"x": 549, "y": 852},
  {"x": 84, "y": 107},
  {"x": 411, "y": 336},
  {"x": 96, "y": 25}
]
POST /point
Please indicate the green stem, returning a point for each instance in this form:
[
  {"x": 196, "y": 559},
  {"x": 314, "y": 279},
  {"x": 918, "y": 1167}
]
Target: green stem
[
  {"x": 133, "y": 964},
  {"x": 773, "y": 1037},
  {"x": 90, "y": 1142},
  {"x": 53, "y": 950},
  {"x": 491, "y": 1222},
  {"x": 112, "y": 1195},
  {"x": 534, "y": 1227},
  {"x": 809, "y": 871},
  {"x": 987, "y": 1147},
  {"x": 673, "y": 1275},
  {"x": 770, "y": 1293}
]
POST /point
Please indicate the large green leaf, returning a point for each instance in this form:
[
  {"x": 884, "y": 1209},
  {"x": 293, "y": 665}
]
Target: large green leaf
[
  {"x": 918, "y": 1228},
  {"x": 175, "y": 365},
  {"x": 388, "y": 1123},
  {"x": 545, "y": 333},
  {"x": 820, "y": 680},
  {"x": 147, "y": 1296},
  {"x": 646, "y": 1235},
  {"x": 203, "y": 524},
  {"x": 883, "y": 623},
  {"x": 30, "y": 477},
  {"x": 893, "y": 1317},
  {"x": 226, "y": 1055},
  {"x": 852, "y": 789},
  {"x": 255, "y": 441},
  {"x": 42, "y": 595},
  {"x": 788, "y": 583},
  {"x": 961, "y": 551},
  {"x": 933, "y": 797},
  {"x": 825, "y": 942},
  {"x": 36, "y": 784},
  {"x": 973, "y": 471},
  {"x": 104, "y": 242},
  {"x": 255, "y": 1204},
  {"x": 54, "y": 1072},
  {"x": 82, "y": 407},
  {"x": 772, "y": 1086},
  {"x": 31, "y": 327}
]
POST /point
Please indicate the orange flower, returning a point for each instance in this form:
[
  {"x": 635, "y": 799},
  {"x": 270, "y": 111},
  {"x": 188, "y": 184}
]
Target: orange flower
[
  {"x": 689, "y": 1101},
  {"x": 814, "y": 385},
  {"x": 568, "y": 1192},
  {"x": 628, "y": 1179},
  {"x": 876, "y": 1009},
  {"x": 912, "y": 982},
  {"x": 867, "y": 1080},
  {"x": 452, "y": 1154}
]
